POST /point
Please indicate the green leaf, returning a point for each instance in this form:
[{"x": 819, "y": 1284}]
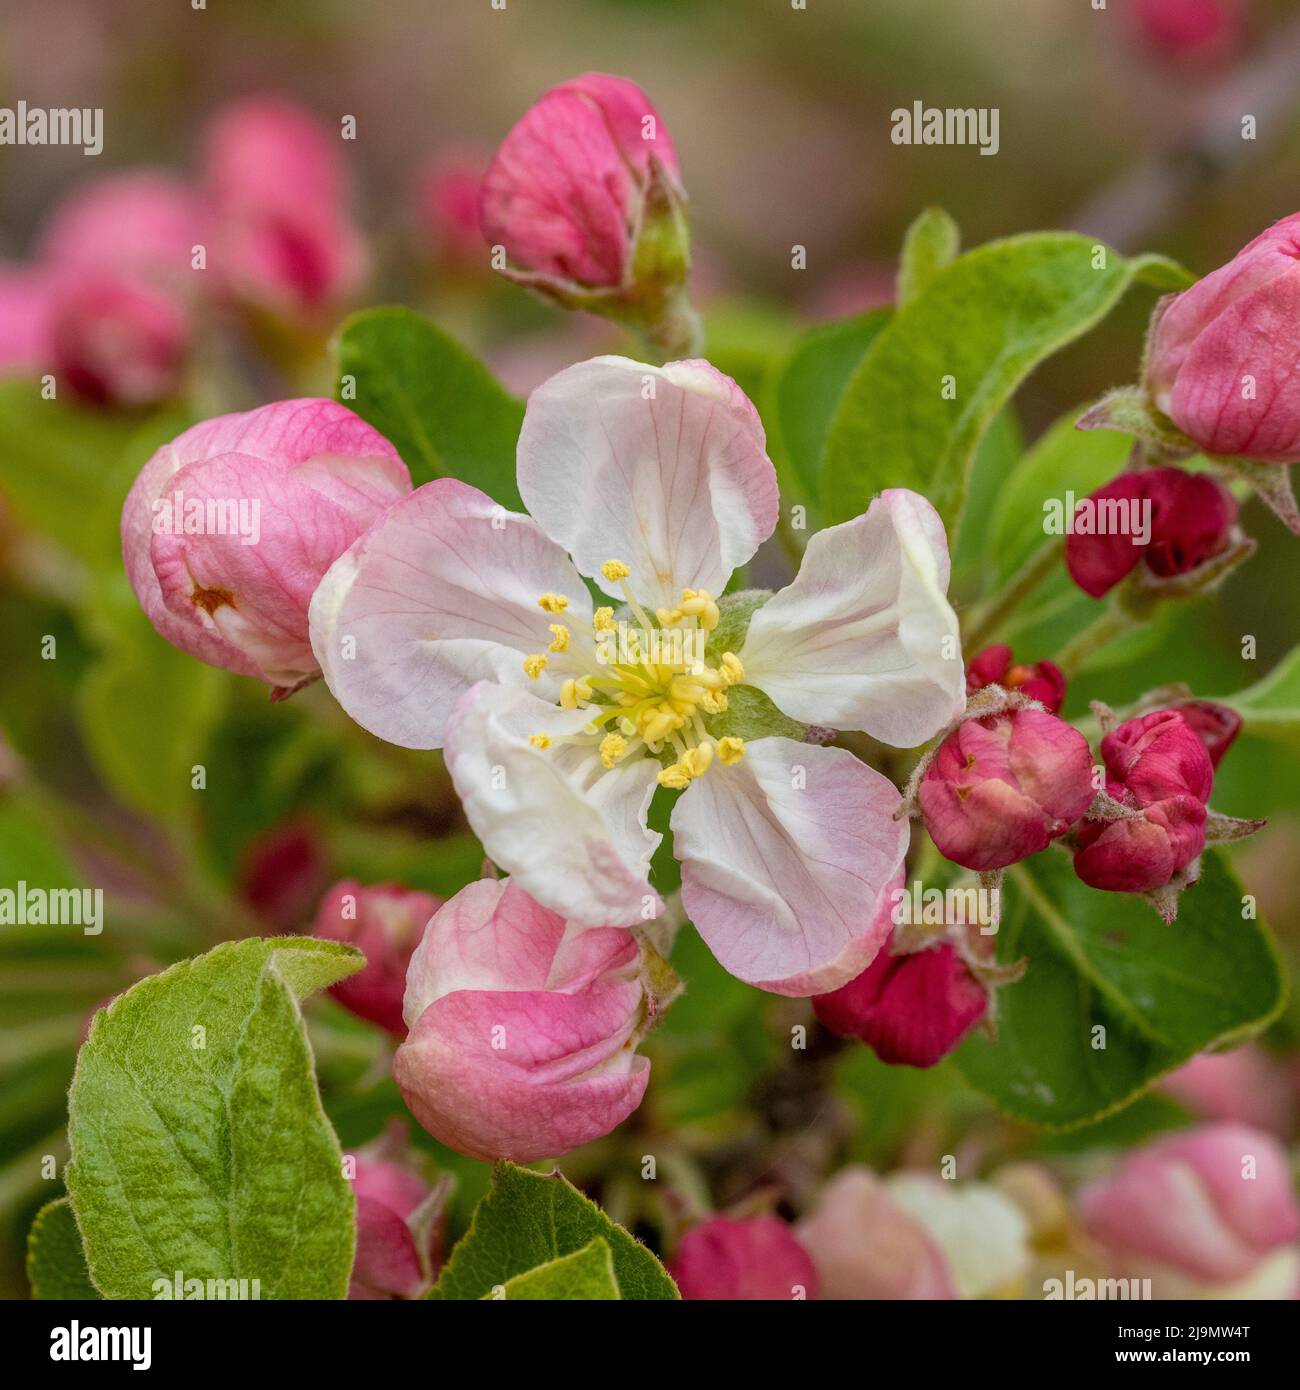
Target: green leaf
[
  {"x": 198, "y": 1139},
  {"x": 931, "y": 245},
  {"x": 529, "y": 1219},
  {"x": 586, "y": 1274},
  {"x": 986, "y": 321},
  {"x": 1106, "y": 960},
  {"x": 56, "y": 1263},
  {"x": 441, "y": 408},
  {"x": 1271, "y": 707},
  {"x": 806, "y": 393}
]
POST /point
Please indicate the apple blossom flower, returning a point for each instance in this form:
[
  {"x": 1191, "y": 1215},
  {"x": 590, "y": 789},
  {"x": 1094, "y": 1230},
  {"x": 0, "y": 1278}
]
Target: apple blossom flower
[
  {"x": 560, "y": 717},
  {"x": 1212, "y": 1204},
  {"x": 399, "y": 1221},
  {"x": 1003, "y": 786},
  {"x": 910, "y": 1009},
  {"x": 1159, "y": 775},
  {"x": 228, "y": 529},
  {"x": 523, "y": 1031},
  {"x": 285, "y": 240},
  {"x": 755, "y": 1258},
  {"x": 1217, "y": 362},
  {"x": 385, "y": 923},
  {"x": 1043, "y": 681},
  {"x": 865, "y": 1245},
  {"x": 585, "y": 197},
  {"x": 1192, "y": 518},
  {"x": 1248, "y": 1085}
]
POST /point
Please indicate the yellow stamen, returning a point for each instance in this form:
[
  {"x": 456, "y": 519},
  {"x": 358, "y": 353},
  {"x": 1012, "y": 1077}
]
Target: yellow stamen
[
  {"x": 732, "y": 671},
  {"x": 542, "y": 741},
  {"x": 573, "y": 693},
  {"x": 603, "y": 620},
  {"x": 731, "y": 750},
  {"x": 561, "y": 635},
  {"x": 535, "y": 664},
  {"x": 675, "y": 777},
  {"x": 612, "y": 748},
  {"x": 553, "y": 603},
  {"x": 697, "y": 760},
  {"x": 614, "y": 570}
]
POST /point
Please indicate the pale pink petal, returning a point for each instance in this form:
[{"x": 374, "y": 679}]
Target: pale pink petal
[
  {"x": 788, "y": 860},
  {"x": 26, "y": 315},
  {"x": 442, "y": 593},
  {"x": 573, "y": 833},
  {"x": 865, "y": 638},
  {"x": 662, "y": 468}
]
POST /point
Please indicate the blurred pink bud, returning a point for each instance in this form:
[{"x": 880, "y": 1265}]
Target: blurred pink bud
[
  {"x": 385, "y": 923},
  {"x": 26, "y": 309},
  {"x": 522, "y": 1034},
  {"x": 1190, "y": 517},
  {"x": 1210, "y": 1204},
  {"x": 1156, "y": 765},
  {"x": 117, "y": 341},
  {"x": 566, "y": 193},
  {"x": 283, "y": 874},
  {"x": 1043, "y": 681},
  {"x": 1246, "y": 1085},
  {"x": 864, "y": 1245},
  {"x": 1217, "y": 725},
  {"x": 399, "y": 1222},
  {"x": 1003, "y": 787},
  {"x": 229, "y": 528},
  {"x": 909, "y": 1009},
  {"x": 285, "y": 238},
  {"x": 751, "y": 1259},
  {"x": 1189, "y": 32},
  {"x": 446, "y": 206},
  {"x": 1218, "y": 362}
]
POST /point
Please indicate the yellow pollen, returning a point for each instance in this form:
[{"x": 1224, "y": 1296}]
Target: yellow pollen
[
  {"x": 732, "y": 671},
  {"x": 713, "y": 702},
  {"x": 658, "y": 724},
  {"x": 603, "y": 620},
  {"x": 612, "y": 748},
  {"x": 540, "y": 740},
  {"x": 561, "y": 635},
  {"x": 553, "y": 603},
  {"x": 675, "y": 777},
  {"x": 573, "y": 693},
  {"x": 668, "y": 617},
  {"x": 696, "y": 760},
  {"x": 731, "y": 750},
  {"x": 614, "y": 570},
  {"x": 535, "y": 664}
]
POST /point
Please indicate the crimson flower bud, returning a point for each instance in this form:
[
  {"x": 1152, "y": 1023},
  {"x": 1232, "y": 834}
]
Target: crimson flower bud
[
  {"x": 399, "y": 1222},
  {"x": 1219, "y": 362},
  {"x": 1043, "y": 681},
  {"x": 1003, "y": 787},
  {"x": 1189, "y": 33},
  {"x": 1217, "y": 725},
  {"x": 283, "y": 874},
  {"x": 1171, "y": 520},
  {"x": 757, "y": 1258},
  {"x": 385, "y": 923},
  {"x": 909, "y": 1009}
]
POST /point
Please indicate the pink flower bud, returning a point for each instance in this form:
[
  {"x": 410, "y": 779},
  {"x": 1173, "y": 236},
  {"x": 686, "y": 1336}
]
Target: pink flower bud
[
  {"x": 283, "y": 874},
  {"x": 385, "y": 923},
  {"x": 1043, "y": 681},
  {"x": 909, "y": 1009},
  {"x": 26, "y": 301},
  {"x": 1210, "y": 1204},
  {"x": 1218, "y": 361},
  {"x": 1217, "y": 725},
  {"x": 1158, "y": 766},
  {"x": 1003, "y": 787},
  {"x": 1190, "y": 520},
  {"x": 1247, "y": 1085},
  {"x": 285, "y": 240},
  {"x": 752, "y": 1259},
  {"x": 522, "y": 1033},
  {"x": 1189, "y": 32},
  {"x": 117, "y": 341},
  {"x": 865, "y": 1245},
  {"x": 586, "y": 195},
  {"x": 229, "y": 528},
  {"x": 399, "y": 1223},
  {"x": 447, "y": 196}
]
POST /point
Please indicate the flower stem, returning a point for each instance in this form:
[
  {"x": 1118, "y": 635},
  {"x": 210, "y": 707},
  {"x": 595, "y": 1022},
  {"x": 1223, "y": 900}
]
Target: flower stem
[
  {"x": 1103, "y": 630},
  {"x": 989, "y": 616}
]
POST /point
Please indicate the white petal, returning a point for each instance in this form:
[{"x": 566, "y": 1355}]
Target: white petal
[{"x": 865, "y": 638}]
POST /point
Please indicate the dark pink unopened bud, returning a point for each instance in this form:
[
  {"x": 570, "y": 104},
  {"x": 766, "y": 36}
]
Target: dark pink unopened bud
[
  {"x": 1168, "y": 519},
  {"x": 1191, "y": 33},
  {"x": 1003, "y": 787},
  {"x": 399, "y": 1222},
  {"x": 1220, "y": 361},
  {"x": 1042, "y": 681},
  {"x": 1156, "y": 765},
  {"x": 1217, "y": 725},
  {"x": 752, "y": 1259},
  {"x": 909, "y": 1009},
  {"x": 447, "y": 195},
  {"x": 385, "y": 923},
  {"x": 284, "y": 872}
]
